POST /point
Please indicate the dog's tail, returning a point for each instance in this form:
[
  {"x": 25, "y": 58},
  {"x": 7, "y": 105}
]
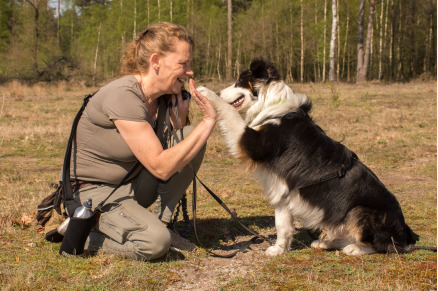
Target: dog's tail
[
  {"x": 411, "y": 248},
  {"x": 408, "y": 249}
]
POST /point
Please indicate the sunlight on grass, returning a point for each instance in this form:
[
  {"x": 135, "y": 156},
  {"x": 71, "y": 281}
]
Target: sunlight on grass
[{"x": 392, "y": 128}]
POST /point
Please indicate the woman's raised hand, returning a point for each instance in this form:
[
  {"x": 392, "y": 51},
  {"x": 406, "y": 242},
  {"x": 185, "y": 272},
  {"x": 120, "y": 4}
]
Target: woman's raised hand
[{"x": 207, "y": 109}]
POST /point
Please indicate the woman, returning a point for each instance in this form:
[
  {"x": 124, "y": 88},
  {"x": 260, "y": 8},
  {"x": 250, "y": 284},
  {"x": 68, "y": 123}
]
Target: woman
[{"x": 125, "y": 121}]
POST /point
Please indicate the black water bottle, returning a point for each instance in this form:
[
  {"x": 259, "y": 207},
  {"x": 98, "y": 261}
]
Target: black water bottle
[{"x": 78, "y": 229}]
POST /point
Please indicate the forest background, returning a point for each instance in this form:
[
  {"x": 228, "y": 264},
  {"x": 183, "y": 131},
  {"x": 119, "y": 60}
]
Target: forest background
[{"x": 308, "y": 40}]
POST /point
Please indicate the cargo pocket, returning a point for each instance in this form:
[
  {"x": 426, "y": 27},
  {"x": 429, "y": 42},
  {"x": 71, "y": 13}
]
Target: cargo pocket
[{"x": 117, "y": 223}]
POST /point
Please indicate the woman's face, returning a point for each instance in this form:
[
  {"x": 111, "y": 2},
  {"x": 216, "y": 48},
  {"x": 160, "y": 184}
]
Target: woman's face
[{"x": 174, "y": 67}]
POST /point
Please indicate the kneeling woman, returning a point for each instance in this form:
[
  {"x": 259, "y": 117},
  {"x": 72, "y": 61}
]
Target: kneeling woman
[{"x": 125, "y": 122}]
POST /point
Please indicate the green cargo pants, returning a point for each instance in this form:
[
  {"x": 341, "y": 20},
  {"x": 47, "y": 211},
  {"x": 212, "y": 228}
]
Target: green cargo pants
[{"x": 126, "y": 227}]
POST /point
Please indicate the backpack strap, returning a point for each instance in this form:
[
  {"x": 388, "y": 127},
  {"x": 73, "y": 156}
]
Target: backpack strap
[{"x": 67, "y": 191}]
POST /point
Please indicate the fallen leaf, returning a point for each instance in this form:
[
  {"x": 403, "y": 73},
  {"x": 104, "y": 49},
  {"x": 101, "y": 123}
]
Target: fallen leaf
[{"x": 25, "y": 220}]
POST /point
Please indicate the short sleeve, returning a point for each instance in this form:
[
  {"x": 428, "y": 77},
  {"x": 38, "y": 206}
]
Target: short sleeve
[{"x": 125, "y": 104}]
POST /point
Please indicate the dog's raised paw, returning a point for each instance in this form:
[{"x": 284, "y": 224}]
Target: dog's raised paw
[
  {"x": 207, "y": 92},
  {"x": 273, "y": 251}
]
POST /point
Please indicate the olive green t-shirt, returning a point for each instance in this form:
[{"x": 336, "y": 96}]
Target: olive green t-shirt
[{"x": 99, "y": 153}]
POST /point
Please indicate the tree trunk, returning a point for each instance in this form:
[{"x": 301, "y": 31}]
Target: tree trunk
[
  {"x": 381, "y": 40},
  {"x": 97, "y": 52},
  {"x": 302, "y": 45},
  {"x": 325, "y": 41},
  {"x": 291, "y": 52},
  {"x": 134, "y": 32},
  {"x": 369, "y": 41},
  {"x": 360, "y": 52},
  {"x": 58, "y": 25},
  {"x": 318, "y": 61},
  {"x": 230, "y": 42},
  {"x": 400, "y": 40},
  {"x": 370, "y": 62},
  {"x": 391, "y": 44},
  {"x": 332, "y": 73},
  {"x": 208, "y": 47},
  {"x": 171, "y": 10},
  {"x": 428, "y": 46},
  {"x": 413, "y": 53},
  {"x": 345, "y": 44},
  {"x": 338, "y": 57},
  {"x": 363, "y": 59},
  {"x": 219, "y": 59}
]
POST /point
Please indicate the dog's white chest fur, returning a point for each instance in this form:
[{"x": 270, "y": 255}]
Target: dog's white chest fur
[{"x": 280, "y": 196}]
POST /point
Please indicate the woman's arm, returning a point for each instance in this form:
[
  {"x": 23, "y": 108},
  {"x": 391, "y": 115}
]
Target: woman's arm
[{"x": 145, "y": 145}]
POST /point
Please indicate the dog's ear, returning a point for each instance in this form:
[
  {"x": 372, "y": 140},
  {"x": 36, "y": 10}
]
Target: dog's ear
[{"x": 264, "y": 69}]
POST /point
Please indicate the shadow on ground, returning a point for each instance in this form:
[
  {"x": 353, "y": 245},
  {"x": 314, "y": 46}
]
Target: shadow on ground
[{"x": 227, "y": 234}]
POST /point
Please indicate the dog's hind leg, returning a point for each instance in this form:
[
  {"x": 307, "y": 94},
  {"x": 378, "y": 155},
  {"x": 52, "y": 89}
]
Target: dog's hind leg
[
  {"x": 230, "y": 122},
  {"x": 285, "y": 232}
]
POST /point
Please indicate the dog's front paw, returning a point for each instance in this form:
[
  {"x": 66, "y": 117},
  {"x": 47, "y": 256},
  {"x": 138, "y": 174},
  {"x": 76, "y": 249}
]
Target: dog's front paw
[
  {"x": 207, "y": 93},
  {"x": 275, "y": 251}
]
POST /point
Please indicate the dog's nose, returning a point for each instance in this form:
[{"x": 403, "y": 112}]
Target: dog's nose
[{"x": 218, "y": 93}]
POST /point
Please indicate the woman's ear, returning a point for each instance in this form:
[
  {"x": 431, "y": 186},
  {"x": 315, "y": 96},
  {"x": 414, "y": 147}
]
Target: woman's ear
[{"x": 155, "y": 61}]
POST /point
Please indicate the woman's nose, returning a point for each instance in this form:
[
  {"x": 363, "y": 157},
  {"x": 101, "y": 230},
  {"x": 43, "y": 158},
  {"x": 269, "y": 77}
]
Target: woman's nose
[{"x": 189, "y": 71}]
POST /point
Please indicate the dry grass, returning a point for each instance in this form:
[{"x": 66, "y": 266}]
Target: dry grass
[{"x": 391, "y": 127}]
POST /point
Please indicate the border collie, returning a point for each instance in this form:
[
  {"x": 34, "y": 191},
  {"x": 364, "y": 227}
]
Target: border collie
[{"x": 307, "y": 175}]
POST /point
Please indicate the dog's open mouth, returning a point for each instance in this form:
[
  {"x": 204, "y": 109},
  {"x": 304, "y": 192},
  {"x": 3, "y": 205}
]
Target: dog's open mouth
[{"x": 239, "y": 101}]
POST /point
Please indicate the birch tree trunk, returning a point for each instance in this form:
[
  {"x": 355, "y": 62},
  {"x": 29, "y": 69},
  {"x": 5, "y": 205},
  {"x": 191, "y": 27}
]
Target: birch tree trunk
[
  {"x": 332, "y": 73},
  {"x": 134, "y": 32},
  {"x": 291, "y": 52},
  {"x": 317, "y": 67},
  {"x": 123, "y": 32},
  {"x": 345, "y": 44},
  {"x": 230, "y": 42},
  {"x": 338, "y": 57},
  {"x": 371, "y": 55},
  {"x": 360, "y": 52},
  {"x": 369, "y": 42},
  {"x": 97, "y": 52},
  {"x": 302, "y": 45},
  {"x": 171, "y": 10},
  {"x": 325, "y": 41}
]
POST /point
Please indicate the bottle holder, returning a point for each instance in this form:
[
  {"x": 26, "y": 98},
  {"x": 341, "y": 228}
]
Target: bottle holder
[{"x": 76, "y": 234}]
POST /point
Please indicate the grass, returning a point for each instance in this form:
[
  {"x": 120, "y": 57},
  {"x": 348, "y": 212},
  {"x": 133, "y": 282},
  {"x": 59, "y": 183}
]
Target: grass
[{"x": 392, "y": 128}]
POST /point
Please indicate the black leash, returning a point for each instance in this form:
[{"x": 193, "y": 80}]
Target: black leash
[{"x": 221, "y": 203}]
